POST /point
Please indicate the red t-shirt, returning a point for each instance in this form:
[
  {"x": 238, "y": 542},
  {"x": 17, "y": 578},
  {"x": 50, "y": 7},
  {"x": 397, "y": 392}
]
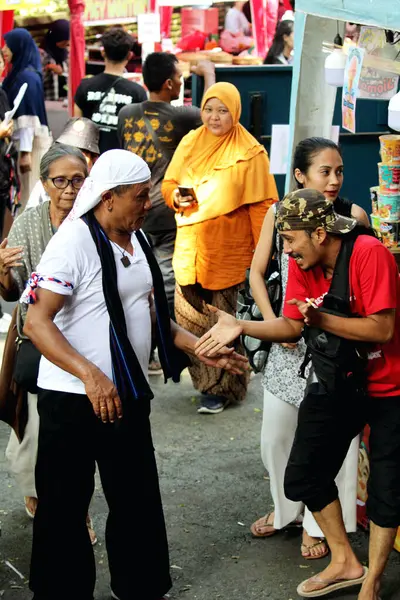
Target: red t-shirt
[{"x": 374, "y": 286}]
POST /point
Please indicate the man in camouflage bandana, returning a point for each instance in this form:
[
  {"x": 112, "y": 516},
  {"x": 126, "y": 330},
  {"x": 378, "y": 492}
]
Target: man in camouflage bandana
[
  {"x": 310, "y": 227},
  {"x": 309, "y": 209},
  {"x": 313, "y": 235}
]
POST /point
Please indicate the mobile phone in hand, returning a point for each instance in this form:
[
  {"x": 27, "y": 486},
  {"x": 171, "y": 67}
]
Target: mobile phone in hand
[{"x": 187, "y": 191}]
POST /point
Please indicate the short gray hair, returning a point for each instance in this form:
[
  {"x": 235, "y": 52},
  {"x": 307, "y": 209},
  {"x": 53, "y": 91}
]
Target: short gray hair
[
  {"x": 120, "y": 190},
  {"x": 56, "y": 152}
]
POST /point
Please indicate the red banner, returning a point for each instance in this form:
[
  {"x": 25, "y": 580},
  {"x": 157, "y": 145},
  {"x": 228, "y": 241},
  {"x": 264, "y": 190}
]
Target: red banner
[
  {"x": 264, "y": 22},
  {"x": 259, "y": 25}
]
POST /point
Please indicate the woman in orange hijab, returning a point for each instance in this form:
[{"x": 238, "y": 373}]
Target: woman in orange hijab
[{"x": 219, "y": 216}]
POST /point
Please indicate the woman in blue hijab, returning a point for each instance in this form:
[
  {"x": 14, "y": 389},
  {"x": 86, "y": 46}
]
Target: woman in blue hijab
[{"x": 30, "y": 120}]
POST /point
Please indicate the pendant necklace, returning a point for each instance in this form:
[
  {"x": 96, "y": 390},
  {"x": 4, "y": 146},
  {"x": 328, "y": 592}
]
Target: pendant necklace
[{"x": 125, "y": 258}]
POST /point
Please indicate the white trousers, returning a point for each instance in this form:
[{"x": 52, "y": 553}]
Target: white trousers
[
  {"x": 22, "y": 457},
  {"x": 277, "y": 435}
]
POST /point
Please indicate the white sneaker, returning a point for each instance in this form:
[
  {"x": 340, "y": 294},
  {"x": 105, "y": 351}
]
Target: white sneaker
[{"x": 5, "y": 323}]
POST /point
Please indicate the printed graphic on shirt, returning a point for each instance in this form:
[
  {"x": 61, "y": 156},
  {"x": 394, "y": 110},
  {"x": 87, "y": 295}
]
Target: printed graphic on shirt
[
  {"x": 139, "y": 140},
  {"x": 318, "y": 301},
  {"x": 107, "y": 113}
]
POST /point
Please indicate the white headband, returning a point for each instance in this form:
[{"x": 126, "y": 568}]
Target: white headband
[{"x": 113, "y": 168}]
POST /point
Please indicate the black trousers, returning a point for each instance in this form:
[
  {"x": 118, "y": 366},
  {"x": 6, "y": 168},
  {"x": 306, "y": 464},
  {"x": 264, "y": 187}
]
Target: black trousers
[
  {"x": 71, "y": 441},
  {"x": 325, "y": 429}
]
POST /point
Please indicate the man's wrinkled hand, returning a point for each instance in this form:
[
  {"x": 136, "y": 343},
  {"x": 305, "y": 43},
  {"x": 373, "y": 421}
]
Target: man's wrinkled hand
[
  {"x": 103, "y": 395},
  {"x": 229, "y": 360}
]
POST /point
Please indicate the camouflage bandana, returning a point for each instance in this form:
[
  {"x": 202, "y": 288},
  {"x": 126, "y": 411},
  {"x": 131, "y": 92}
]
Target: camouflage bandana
[{"x": 309, "y": 209}]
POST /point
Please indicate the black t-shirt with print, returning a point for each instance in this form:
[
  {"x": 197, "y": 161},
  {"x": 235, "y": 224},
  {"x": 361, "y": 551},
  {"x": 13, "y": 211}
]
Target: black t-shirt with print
[
  {"x": 100, "y": 99},
  {"x": 170, "y": 125}
]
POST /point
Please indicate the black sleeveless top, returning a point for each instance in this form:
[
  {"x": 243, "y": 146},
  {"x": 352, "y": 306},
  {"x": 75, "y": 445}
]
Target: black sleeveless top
[{"x": 343, "y": 207}]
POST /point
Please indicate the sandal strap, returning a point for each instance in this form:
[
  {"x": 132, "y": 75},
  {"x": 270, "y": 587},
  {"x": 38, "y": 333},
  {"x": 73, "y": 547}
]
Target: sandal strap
[
  {"x": 266, "y": 524},
  {"x": 311, "y": 546}
]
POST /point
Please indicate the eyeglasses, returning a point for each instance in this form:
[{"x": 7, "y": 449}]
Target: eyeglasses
[{"x": 62, "y": 183}]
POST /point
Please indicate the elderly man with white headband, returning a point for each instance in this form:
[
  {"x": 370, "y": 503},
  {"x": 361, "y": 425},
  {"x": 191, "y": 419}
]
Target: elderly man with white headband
[{"x": 90, "y": 315}]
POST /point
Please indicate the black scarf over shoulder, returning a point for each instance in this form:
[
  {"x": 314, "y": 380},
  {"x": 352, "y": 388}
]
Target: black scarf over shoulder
[{"x": 128, "y": 375}]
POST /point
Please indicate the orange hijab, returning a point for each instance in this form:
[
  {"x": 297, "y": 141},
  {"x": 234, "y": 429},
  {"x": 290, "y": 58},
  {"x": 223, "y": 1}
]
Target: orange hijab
[{"x": 202, "y": 157}]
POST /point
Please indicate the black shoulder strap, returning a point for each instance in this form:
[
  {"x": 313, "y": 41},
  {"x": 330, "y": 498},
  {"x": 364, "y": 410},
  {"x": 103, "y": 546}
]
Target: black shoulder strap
[
  {"x": 172, "y": 359},
  {"x": 108, "y": 90},
  {"x": 339, "y": 291}
]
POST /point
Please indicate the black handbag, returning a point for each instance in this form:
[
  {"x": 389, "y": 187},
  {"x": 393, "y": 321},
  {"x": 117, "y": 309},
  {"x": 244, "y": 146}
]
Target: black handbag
[
  {"x": 26, "y": 369},
  {"x": 257, "y": 351}
]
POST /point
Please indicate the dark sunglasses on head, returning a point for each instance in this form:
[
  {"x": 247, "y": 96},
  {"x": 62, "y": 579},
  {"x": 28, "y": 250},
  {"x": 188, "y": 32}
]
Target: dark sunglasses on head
[{"x": 62, "y": 183}]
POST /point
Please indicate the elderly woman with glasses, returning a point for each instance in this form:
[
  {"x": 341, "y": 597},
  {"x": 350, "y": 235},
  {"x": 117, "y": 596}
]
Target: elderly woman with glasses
[
  {"x": 63, "y": 171},
  {"x": 90, "y": 315}
]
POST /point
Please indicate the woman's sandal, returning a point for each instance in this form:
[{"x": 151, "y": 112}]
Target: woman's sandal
[
  {"x": 263, "y": 522},
  {"x": 315, "y": 545}
]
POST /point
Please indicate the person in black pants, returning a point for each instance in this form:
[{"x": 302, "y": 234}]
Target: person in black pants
[
  {"x": 313, "y": 236},
  {"x": 91, "y": 320}
]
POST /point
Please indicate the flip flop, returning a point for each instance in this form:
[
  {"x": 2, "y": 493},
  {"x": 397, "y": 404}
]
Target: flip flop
[
  {"x": 311, "y": 546},
  {"x": 332, "y": 585},
  {"x": 264, "y": 523}
]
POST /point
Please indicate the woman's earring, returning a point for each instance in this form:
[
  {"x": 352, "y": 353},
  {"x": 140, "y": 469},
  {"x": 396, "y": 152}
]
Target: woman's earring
[{"x": 109, "y": 208}]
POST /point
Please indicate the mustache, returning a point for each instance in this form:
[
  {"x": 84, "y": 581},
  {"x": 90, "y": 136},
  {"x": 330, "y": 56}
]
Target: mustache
[{"x": 295, "y": 255}]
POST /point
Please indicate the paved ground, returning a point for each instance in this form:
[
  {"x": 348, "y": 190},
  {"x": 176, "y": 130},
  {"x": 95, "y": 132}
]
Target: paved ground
[{"x": 213, "y": 486}]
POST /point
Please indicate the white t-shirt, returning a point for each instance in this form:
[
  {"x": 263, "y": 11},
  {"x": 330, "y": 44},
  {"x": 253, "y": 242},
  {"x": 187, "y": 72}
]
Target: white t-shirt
[
  {"x": 71, "y": 255},
  {"x": 236, "y": 22}
]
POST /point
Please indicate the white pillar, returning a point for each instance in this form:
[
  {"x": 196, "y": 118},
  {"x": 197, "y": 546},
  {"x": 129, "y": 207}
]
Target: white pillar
[{"x": 312, "y": 100}]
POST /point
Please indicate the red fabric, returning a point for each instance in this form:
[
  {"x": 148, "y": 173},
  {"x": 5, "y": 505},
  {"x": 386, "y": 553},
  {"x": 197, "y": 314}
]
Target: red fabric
[
  {"x": 259, "y": 26},
  {"x": 6, "y": 25},
  {"x": 77, "y": 50},
  {"x": 166, "y": 17},
  {"x": 374, "y": 286},
  {"x": 193, "y": 42},
  {"x": 272, "y": 20}
]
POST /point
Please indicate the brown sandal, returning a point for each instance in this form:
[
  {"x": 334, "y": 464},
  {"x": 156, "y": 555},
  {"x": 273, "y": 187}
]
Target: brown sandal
[
  {"x": 263, "y": 522},
  {"x": 311, "y": 546}
]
